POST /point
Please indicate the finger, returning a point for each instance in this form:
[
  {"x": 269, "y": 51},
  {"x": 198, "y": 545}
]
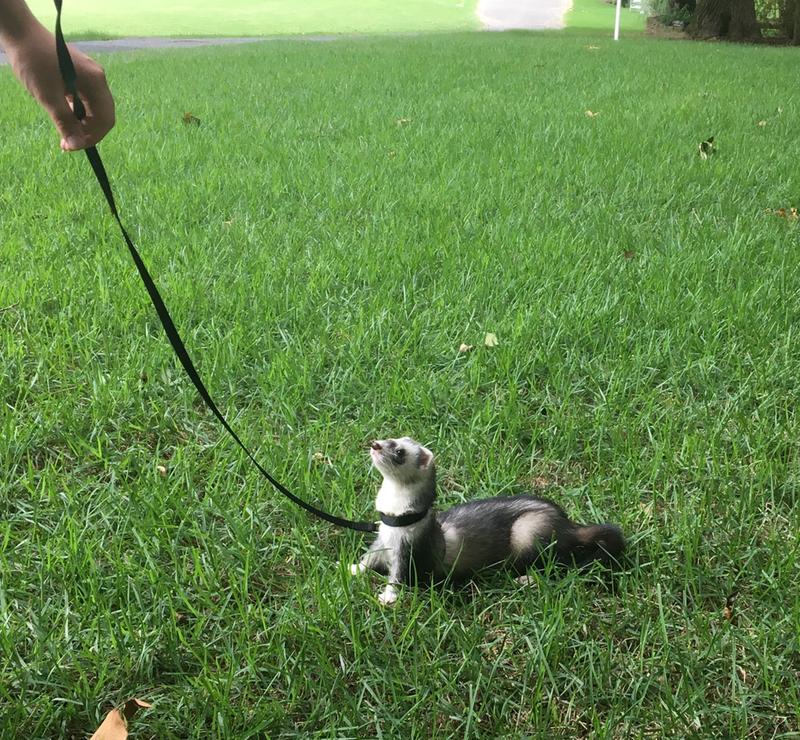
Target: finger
[
  {"x": 96, "y": 127},
  {"x": 100, "y": 105},
  {"x": 72, "y": 132}
]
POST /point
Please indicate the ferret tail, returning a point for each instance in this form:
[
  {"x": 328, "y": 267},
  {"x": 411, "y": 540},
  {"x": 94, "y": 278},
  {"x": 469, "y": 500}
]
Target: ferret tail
[{"x": 603, "y": 542}]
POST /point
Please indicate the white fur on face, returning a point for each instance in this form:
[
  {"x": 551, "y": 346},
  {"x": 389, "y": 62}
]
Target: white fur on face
[{"x": 401, "y": 460}]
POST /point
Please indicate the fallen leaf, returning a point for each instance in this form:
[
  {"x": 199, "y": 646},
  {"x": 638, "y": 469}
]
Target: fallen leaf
[
  {"x": 790, "y": 214},
  {"x": 591, "y": 114},
  {"x": 706, "y": 148},
  {"x": 490, "y": 340},
  {"x": 742, "y": 673},
  {"x": 629, "y": 254},
  {"x": 591, "y": 48},
  {"x": 134, "y": 705},
  {"x": 162, "y": 471},
  {"x": 190, "y": 120},
  {"x": 321, "y": 457},
  {"x": 761, "y": 123},
  {"x": 727, "y": 610},
  {"x": 404, "y": 121},
  {"x": 465, "y": 348},
  {"x": 115, "y": 725}
]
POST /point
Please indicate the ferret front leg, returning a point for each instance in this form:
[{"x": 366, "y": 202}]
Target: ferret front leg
[
  {"x": 398, "y": 574},
  {"x": 376, "y": 558}
]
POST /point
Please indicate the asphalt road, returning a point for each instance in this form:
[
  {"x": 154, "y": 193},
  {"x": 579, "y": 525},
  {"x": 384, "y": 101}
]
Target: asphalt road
[{"x": 495, "y": 15}]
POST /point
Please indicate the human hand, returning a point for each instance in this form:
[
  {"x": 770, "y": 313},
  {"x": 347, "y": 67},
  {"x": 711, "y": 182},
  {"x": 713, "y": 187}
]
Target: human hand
[{"x": 33, "y": 59}]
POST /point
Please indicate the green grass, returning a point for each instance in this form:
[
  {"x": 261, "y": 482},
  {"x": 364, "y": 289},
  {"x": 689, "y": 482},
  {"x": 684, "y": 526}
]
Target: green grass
[
  {"x": 259, "y": 17},
  {"x": 325, "y": 262},
  {"x": 598, "y": 14}
]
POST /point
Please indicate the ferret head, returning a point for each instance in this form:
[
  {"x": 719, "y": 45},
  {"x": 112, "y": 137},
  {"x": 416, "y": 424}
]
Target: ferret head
[{"x": 403, "y": 460}]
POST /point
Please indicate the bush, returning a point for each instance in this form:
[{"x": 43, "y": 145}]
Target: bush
[{"x": 669, "y": 11}]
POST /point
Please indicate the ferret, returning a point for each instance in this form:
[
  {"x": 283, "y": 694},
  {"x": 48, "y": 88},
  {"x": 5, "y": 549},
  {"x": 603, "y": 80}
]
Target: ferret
[{"x": 415, "y": 543}]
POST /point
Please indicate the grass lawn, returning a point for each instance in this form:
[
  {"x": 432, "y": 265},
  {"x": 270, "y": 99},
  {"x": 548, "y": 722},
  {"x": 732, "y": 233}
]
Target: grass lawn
[
  {"x": 346, "y": 215},
  {"x": 598, "y": 14},
  {"x": 90, "y": 18}
]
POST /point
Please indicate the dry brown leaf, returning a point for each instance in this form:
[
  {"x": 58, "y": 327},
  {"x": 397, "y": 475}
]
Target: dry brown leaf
[
  {"x": 728, "y": 611},
  {"x": 465, "y": 348},
  {"x": 490, "y": 340},
  {"x": 790, "y": 214},
  {"x": 592, "y": 114},
  {"x": 742, "y": 673},
  {"x": 706, "y": 148},
  {"x": 115, "y": 725},
  {"x": 190, "y": 120},
  {"x": 134, "y": 705},
  {"x": 629, "y": 254},
  {"x": 162, "y": 471}
]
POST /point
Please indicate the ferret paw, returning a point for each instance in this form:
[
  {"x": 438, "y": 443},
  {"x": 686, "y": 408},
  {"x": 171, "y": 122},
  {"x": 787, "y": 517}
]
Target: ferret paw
[
  {"x": 388, "y": 596},
  {"x": 357, "y": 568}
]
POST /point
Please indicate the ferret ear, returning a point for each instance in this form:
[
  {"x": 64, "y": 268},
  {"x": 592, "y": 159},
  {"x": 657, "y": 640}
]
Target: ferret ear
[{"x": 425, "y": 459}]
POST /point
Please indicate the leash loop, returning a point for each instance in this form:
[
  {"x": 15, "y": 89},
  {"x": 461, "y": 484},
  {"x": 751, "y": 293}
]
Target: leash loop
[{"x": 69, "y": 76}]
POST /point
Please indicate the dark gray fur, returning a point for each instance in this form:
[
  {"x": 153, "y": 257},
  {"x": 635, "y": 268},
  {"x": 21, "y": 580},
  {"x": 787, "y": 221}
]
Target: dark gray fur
[{"x": 513, "y": 531}]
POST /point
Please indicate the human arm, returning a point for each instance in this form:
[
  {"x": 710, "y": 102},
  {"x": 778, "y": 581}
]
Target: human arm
[{"x": 31, "y": 50}]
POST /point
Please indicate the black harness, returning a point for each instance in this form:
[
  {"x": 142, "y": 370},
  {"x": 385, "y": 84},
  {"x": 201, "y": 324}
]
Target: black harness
[{"x": 404, "y": 520}]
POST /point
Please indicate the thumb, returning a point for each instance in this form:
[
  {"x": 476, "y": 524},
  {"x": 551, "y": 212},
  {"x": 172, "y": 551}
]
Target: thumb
[{"x": 71, "y": 129}]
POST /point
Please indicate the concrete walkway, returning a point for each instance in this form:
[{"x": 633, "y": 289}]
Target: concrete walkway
[
  {"x": 135, "y": 43},
  {"x": 503, "y": 15},
  {"x": 495, "y": 15}
]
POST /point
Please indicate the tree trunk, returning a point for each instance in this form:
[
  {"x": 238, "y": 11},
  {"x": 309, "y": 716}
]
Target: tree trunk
[
  {"x": 744, "y": 26},
  {"x": 712, "y": 18},
  {"x": 728, "y": 19},
  {"x": 796, "y": 37}
]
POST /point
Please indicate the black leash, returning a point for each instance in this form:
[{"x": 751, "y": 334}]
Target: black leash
[{"x": 70, "y": 81}]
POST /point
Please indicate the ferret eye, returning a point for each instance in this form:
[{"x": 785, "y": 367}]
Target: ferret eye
[{"x": 400, "y": 454}]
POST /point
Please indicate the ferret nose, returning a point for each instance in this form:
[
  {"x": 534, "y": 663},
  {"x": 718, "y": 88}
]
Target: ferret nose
[{"x": 376, "y": 445}]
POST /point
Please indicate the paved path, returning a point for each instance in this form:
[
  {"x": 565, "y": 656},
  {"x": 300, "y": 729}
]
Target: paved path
[
  {"x": 496, "y": 15},
  {"x": 135, "y": 43},
  {"x": 503, "y": 15}
]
